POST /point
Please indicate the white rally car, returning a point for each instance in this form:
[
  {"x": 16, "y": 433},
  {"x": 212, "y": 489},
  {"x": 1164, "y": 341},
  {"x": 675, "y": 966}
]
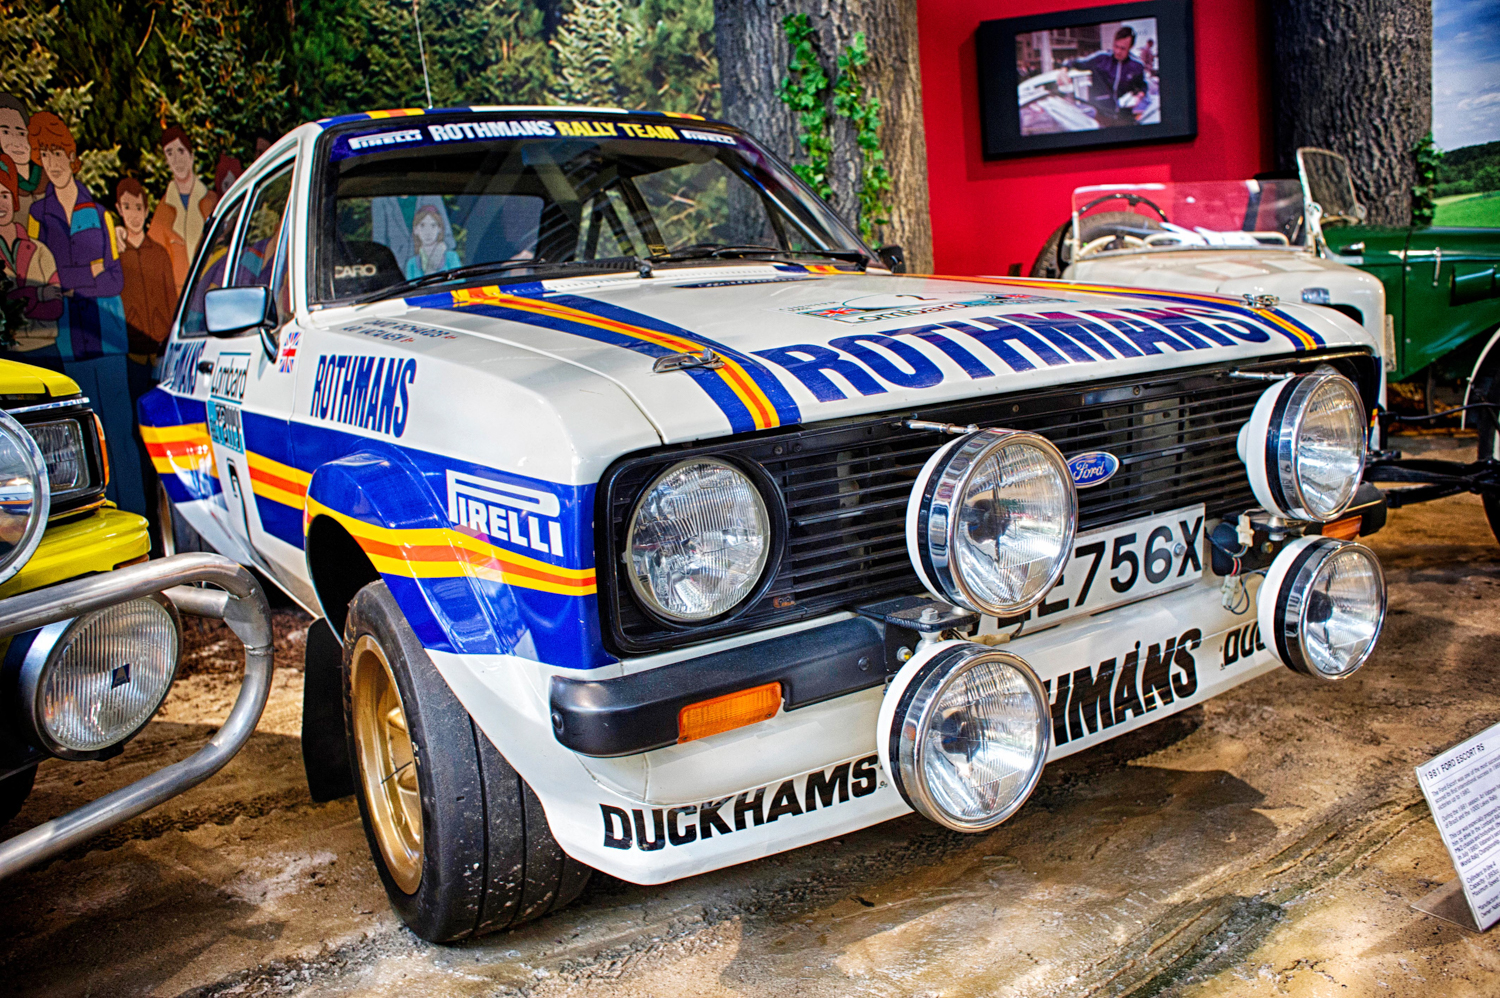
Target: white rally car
[{"x": 654, "y": 525}]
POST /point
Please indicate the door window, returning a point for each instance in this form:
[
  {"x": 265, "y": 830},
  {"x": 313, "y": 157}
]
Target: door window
[
  {"x": 209, "y": 272},
  {"x": 263, "y": 230}
]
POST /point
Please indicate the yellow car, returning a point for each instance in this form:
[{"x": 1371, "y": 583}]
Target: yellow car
[
  {"x": 90, "y": 632},
  {"x": 82, "y": 534}
]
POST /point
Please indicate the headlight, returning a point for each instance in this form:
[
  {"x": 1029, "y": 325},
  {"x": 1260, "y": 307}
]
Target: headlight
[
  {"x": 990, "y": 522},
  {"x": 25, "y": 496},
  {"x": 964, "y": 733},
  {"x": 1323, "y": 604},
  {"x": 61, "y": 442},
  {"x": 699, "y": 541},
  {"x": 1304, "y": 446},
  {"x": 92, "y": 682}
]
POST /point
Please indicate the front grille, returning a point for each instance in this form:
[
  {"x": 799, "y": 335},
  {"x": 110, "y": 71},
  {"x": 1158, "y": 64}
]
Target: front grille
[{"x": 846, "y": 485}]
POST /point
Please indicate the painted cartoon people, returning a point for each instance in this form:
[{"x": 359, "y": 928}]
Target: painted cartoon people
[
  {"x": 431, "y": 252},
  {"x": 15, "y": 143},
  {"x": 150, "y": 292},
  {"x": 29, "y": 266},
  {"x": 78, "y": 231},
  {"x": 184, "y": 208}
]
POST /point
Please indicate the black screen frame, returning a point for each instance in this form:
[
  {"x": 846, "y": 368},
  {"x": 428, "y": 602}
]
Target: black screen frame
[{"x": 1000, "y": 117}]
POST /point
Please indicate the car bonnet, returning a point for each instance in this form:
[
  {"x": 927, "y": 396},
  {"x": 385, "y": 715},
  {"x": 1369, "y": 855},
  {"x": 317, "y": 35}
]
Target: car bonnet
[{"x": 792, "y": 344}]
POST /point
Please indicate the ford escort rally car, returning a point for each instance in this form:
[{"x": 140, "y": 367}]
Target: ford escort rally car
[{"x": 653, "y": 524}]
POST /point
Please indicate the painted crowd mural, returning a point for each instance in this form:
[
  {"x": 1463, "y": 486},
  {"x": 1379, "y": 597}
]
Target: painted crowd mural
[{"x": 123, "y": 124}]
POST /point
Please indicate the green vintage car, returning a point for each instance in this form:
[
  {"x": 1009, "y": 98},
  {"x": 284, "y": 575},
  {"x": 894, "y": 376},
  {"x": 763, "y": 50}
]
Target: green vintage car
[
  {"x": 1444, "y": 301},
  {"x": 1440, "y": 286}
]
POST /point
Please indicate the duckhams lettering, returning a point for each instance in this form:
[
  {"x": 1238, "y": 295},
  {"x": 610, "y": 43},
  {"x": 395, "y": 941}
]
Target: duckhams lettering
[
  {"x": 1242, "y": 642},
  {"x": 1090, "y": 700},
  {"x": 367, "y": 392},
  {"x": 680, "y": 826},
  {"x": 865, "y": 363}
]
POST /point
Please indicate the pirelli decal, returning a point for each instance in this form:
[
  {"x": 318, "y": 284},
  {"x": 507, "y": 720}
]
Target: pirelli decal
[
  {"x": 442, "y": 553},
  {"x": 650, "y": 829}
]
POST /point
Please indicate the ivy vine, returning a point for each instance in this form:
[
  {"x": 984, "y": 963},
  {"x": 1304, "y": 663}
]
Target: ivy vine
[
  {"x": 1423, "y": 202},
  {"x": 807, "y": 89}
]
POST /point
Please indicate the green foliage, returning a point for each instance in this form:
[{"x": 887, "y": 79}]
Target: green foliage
[
  {"x": 1428, "y": 156},
  {"x": 231, "y": 71},
  {"x": 806, "y": 90},
  {"x": 592, "y": 37},
  {"x": 1470, "y": 170},
  {"x": 851, "y": 102}
]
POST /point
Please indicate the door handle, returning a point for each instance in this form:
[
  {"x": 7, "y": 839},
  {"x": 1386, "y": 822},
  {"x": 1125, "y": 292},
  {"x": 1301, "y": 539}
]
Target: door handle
[
  {"x": 1437, "y": 264},
  {"x": 205, "y": 367}
]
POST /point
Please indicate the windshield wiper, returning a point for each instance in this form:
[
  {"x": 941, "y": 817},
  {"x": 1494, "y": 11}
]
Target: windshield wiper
[
  {"x": 499, "y": 267},
  {"x": 714, "y": 251}
]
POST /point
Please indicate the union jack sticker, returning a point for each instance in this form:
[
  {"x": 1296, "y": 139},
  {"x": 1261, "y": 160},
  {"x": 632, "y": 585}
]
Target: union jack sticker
[{"x": 286, "y": 358}]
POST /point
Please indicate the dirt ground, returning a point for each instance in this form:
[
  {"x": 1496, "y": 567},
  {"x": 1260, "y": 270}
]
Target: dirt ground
[{"x": 1268, "y": 843}]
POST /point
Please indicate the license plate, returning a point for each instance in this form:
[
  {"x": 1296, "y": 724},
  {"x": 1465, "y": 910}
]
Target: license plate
[{"x": 1126, "y": 562}]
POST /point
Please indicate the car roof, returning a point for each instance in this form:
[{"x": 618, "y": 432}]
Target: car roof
[{"x": 408, "y": 112}]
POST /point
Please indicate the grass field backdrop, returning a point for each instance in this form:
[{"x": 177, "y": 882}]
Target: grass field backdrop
[{"x": 1469, "y": 210}]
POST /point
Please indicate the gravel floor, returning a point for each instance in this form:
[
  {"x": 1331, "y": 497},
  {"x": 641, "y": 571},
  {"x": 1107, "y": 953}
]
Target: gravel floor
[{"x": 1267, "y": 843}]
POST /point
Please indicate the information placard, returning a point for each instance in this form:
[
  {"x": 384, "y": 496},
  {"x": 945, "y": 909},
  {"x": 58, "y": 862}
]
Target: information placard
[{"x": 1462, "y": 786}]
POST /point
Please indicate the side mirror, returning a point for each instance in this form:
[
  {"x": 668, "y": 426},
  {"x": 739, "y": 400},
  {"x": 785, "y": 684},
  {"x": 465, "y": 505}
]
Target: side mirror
[
  {"x": 894, "y": 258},
  {"x": 232, "y": 311}
]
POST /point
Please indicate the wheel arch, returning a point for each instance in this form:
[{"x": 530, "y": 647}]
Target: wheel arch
[
  {"x": 372, "y": 515},
  {"x": 1488, "y": 365}
]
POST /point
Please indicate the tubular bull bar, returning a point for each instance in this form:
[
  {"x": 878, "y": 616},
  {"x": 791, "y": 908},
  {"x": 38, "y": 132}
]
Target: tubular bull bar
[{"x": 239, "y": 602}]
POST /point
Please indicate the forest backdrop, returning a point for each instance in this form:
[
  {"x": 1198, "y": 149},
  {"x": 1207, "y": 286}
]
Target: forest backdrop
[{"x": 230, "y": 71}]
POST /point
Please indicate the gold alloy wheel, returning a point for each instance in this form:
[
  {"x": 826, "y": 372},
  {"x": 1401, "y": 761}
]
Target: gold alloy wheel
[{"x": 387, "y": 768}]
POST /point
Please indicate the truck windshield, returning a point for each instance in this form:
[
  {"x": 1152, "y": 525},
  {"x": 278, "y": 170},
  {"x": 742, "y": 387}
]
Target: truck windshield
[
  {"x": 1265, "y": 214},
  {"x": 407, "y": 200}
]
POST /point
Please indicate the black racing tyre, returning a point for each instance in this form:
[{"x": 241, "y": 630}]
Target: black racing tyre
[
  {"x": 174, "y": 534},
  {"x": 14, "y": 790},
  {"x": 459, "y": 839},
  {"x": 1054, "y": 256}
]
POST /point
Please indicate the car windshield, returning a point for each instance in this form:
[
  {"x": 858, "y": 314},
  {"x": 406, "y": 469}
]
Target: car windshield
[
  {"x": 404, "y": 203},
  {"x": 1237, "y": 214}
]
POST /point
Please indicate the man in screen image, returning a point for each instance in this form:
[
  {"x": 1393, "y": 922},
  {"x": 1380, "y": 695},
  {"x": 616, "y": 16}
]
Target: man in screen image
[{"x": 1116, "y": 75}]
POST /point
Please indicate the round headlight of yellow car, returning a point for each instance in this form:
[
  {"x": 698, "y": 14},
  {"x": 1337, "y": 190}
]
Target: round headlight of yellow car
[{"x": 25, "y": 496}]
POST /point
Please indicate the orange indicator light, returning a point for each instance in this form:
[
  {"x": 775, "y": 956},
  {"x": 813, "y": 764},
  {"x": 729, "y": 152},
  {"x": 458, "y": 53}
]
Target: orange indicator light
[
  {"x": 1346, "y": 529},
  {"x": 725, "y": 713}
]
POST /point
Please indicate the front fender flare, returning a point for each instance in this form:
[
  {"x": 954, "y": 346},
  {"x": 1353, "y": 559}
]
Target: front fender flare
[{"x": 385, "y": 503}]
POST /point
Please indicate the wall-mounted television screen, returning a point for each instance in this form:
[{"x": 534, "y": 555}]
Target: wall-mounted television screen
[{"x": 1097, "y": 76}]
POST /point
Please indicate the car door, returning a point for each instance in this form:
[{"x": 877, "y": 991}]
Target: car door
[
  {"x": 1451, "y": 292},
  {"x": 195, "y": 361},
  {"x": 251, "y": 393}
]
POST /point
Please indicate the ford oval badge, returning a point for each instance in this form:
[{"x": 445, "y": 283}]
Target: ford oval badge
[{"x": 1093, "y": 468}]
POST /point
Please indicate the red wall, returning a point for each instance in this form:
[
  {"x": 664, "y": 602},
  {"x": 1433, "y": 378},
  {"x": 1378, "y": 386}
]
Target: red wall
[{"x": 989, "y": 215}]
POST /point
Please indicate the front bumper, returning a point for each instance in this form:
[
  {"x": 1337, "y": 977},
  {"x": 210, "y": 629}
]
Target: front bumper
[
  {"x": 238, "y": 601},
  {"x": 95, "y": 542},
  {"x": 1105, "y": 675}
]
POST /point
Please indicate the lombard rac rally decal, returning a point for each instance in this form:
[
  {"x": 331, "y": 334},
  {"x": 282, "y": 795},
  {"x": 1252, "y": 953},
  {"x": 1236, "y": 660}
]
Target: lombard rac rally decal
[
  {"x": 790, "y": 799},
  {"x": 875, "y": 308},
  {"x": 367, "y": 392},
  {"x": 1093, "y": 468},
  {"x": 225, "y": 393}
]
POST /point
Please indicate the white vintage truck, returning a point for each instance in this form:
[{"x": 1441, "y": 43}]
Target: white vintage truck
[{"x": 654, "y": 524}]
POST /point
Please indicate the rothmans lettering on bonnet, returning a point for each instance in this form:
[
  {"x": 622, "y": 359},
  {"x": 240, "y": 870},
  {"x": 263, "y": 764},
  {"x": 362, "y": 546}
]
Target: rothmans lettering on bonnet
[
  {"x": 366, "y": 392},
  {"x": 867, "y": 362}
]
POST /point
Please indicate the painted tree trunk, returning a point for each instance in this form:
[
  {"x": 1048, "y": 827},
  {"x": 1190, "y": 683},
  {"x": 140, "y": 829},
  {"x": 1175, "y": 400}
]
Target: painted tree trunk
[
  {"x": 753, "y": 52},
  {"x": 1355, "y": 76}
]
